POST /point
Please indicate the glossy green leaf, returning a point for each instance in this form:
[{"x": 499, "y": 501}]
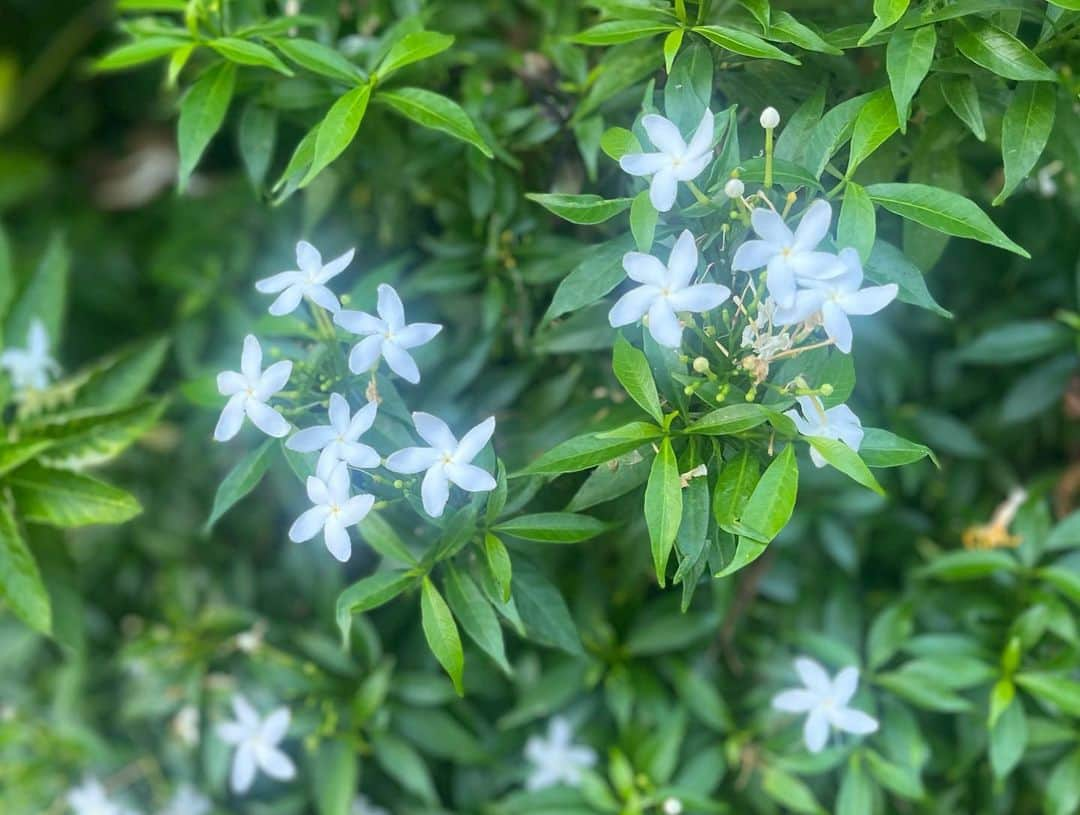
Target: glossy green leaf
[
  {"x": 441, "y": 633},
  {"x": 962, "y": 97},
  {"x": 846, "y": 460},
  {"x": 590, "y": 449},
  {"x": 743, "y": 42},
  {"x": 437, "y": 112},
  {"x": 633, "y": 372},
  {"x": 245, "y": 52},
  {"x": 663, "y": 507},
  {"x": 857, "y": 224},
  {"x": 337, "y": 130},
  {"x": 413, "y": 47},
  {"x": 907, "y": 60},
  {"x": 882, "y": 448},
  {"x": 319, "y": 59},
  {"x": 21, "y": 587},
  {"x": 241, "y": 480},
  {"x": 580, "y": 209},
  {"x": 875, "y": 123},
  {"x": 65, "y": 499},
  {"x": 1025, "y": 130},
  {"x": 369, "y": 593},
  {"x": 613, "y": 32},
  {"x": 553, "y": 527},
  {"x": 1001, "y": 53},
  {"x": 202, "y": 112},
  {"x": 476, "y": 615},
  {"x": 139, "y": 52}
]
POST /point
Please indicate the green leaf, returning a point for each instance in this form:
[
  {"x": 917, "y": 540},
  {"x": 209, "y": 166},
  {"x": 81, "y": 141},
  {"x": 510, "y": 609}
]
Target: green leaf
[
  {"x": 672, "y": 43},
  {"x": 543, "y": 610},
  {"x": 785, "y": 173},
  {"x": 731, "y": 419},
  {"x": 742, "y": 42},
  {"x": 437, "y": 112},
  {"x": 256, "y": 136},
  {"x": 831, "y": 133},
  {"x": 65, "y": 499},
  {"x": 243, "y": 52},
  {"x": 381, "y": 536},
  {"x": 598, "y": 273},
  {"x": 790, "y": 791},
  {"x": 21, "y": 587},
  {"x": 498, "y": 563},
  {"x": 413, "y": 47},
  {"x": 400, "y": 761},
  {"x": 907, "y": 61},
  {"x": 643, "y": 219},
  {"x": 580, "y": 209},
  {"x": 122, "y": 377},
  {"x": 886, "y": 13},
  {"x": 368, "y": 593},
  {"x": 887, "y": 634},
  {"x": 962, "y": 97},
  {"x": 1008, "y": 739},
  {"x": 337, "y": 130},
  {"x": 887, "y": 264},
  {"x": 791, "y": 145},
  {"x": 923, "y": 690},
  {"x": 7, "y": 272},
  {"x": 16, "y": 453},
  {"x": 975, "y": 565},
  {"x": 786, "y": 28},
  {"x": 882, "y": 448},
  {"x": 319, "y": 59},
  {"x": 942, "y": 210},
  {"x": 897, "y": 778},
  {"x": 590, "y": 449},
  {"x": 139, "y": 52},
  {"x": 857, "y": 226},
  {"x": 632, "y": 370},
  {"x": 241, "y": 480},
  {"x": 553, "y": 527},
  {"x": 663, "y": 507},
  {"x": 1014, "y": 342},
  {"x": 875, "y": 123},
  {"x": 856, "y": 795},
  {"x": 614, "y": 32},
  {"x": 202, "y": 112},
  {"x": 767, "y": 511},
  {"x": 44, "y": 297},
  {"x": 441, "y": 633},
  {"x": 734, "y": 486},
  {"x": 335, "y": 774},
  {"x": 688, "y": 90},
  {"x": 1025, "y": 130},
  {"x": 1001, "y": 53},
  {"x": 846, "y": 460},
  {"x": 616, "y": 142},
  {"x": 1063, "y": 786},
  {"x": 1063, "y": 579},
  {"x": 1060, "y": 691},
  {"x": 476, "y": 615}
]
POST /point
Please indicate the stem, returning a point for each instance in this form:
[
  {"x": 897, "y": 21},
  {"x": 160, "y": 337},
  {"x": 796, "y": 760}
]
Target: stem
[
  {"x": 701, "y": 197},
  {"x": 768, "y": 157},
  {"x": 796, "y": 351}
]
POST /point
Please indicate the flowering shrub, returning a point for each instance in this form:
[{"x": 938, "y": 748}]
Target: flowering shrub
[{"x": 503, "y": 509}]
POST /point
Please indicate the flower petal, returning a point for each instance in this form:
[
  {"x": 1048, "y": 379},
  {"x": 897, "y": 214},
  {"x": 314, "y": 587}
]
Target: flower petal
[
  {"x": 691, "y": 168},
  {"x": 336, "y": 266},
  {"x": 339, "y": 483},
  {"x": 243, "y": 769},
  {"x": 232, "y": 732},
  {"x": 813, "y": 675},
  {"x": 662, "y": 190},
  {"x": 323, "y": 297},
  {"x": 682, "y": 263},
  {"x": 412, "y": 460},
  {"x": 853, "y": 721},
  {"x": 309, "y": 524},
  {"x": 275, "y": 726},
  {"x": 795, "y": 700},
  {"x": 359, "y": 322},
  {"x": 813, "y": 226},
  {"x": 278, "y": 282},
  {"x": 781, "y": 281},
  {"x": 753, "y": 255},
  {"x": 807, "y": 302},
  {"x": 360, "y": 455},
  {"x": 317, "y": 491},
  {"x": 230, "y": 383},
  {"x": 231, "y": 419},
  {"x": 356, "y": 509},
  {"x": 268, "y": 420},
  {"x": 365, "y": 354},
  {"x": 814, "y": 267},
  {"x": 339, "y": 413},
  {"x": 435, "y": 491},
  {"x": 664, "y": 135},
  {"x": 390, "y": 308},
  {"x": 311, "y": 439},
  {"x": 816, "y": 730},
  {"x": 276, "y": 764},
  {"x": 361, "y": 421},
  {"x": 664, "y": 325},
  {"x": 844, "y": 685},
  {"x": 633, "y": 305},
  {"x": 337, "y": 539},
  {"x": 645, "y": 269},
  {"x": 771, "y": 227},
  {"x": 308, "y": 257},
  {"x": 470, "y": 478},
  {"x": 837, "y": 326},
  {"x": 869, "y": 300},
  {"x": 273, "y": 379},
  {"x": 435, "y": 432},
  {"x": 400, "y": 361},
  {"x": 644, "y": 163},
  {"x": 244, "y": 712},
  {"x": 251, "y": 359},
  {"x": 699, "y": 298},
  {"x": 416, "y": 334},
  {"x": 473, "y": 441},
  {"x": 287, "y": 301}
]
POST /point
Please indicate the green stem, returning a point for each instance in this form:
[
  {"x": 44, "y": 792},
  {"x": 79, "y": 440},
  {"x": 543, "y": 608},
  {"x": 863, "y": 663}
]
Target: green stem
[
  {"x": 701, "y": 197},
  {"x": 768, "y": 157}
]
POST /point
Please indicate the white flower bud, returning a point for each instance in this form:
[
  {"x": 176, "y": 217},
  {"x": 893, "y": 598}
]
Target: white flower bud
[
  {"x": 770, "y": 118},
  {"x": 734, "y": 188},
  {"x": 701, "y": 365},
  {"x": 672, "y": 806}
]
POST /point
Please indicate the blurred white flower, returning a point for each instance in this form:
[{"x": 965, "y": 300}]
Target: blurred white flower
[
  {"x": 362, "y": 806},
  {"x": 446, "y": 461},
  {"x": 185, "y": 725},
  {"x": 675, "y": 160},
  {"x": 770, "y": 118},
  {"x": 334, "y": 511},
  {"x": 339, "y": 439},
  {"x": 835, "y": 297},
  {"x": 249, "y": 391},
  {"x": 555, "y": 758},
  {"x": 90, "y": 798},
  {"x": 789, "y": 256},
  {"x": 387, "y": 335},
  {"x": 310, "y": 281},
  {"x": 256, "y": 740},
  {"x": 665, "y": 290},
  {"x": 672, "y": 806},
  {"x": 187, "y": 801},
  {"x": 839, "y": 422},
  {"x": 31, "y": 367},
  {"x": 825, "y": 701}
]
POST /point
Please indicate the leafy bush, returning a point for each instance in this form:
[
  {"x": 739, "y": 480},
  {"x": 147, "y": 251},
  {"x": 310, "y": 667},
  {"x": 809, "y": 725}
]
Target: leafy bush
[{"x": 718, "y": 548}]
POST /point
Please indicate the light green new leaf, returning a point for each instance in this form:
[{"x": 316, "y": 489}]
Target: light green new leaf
[
  {"x": 437, "y": 112},
  {"x": 663, "y": 507},
  {"x": 632, "y": 370},
  {"x": 244, "y": 52},
  {"x": 65, "y": 499},
  {"x": 742, "y": 42},
  {"x": 202, "y": 112},
  {"x": 1001, "y": 53},
  {"x": 413, "y": 47},
  {"x": 643, "y": 220},
  {"x": 553, "y": 527},
  {"x": 498, "y": 563},
  {"x": 337, "y": 130},
  {"x": 139, "y": 52},
  {"x": 242, "y": 479},
  {"x": 886, "y": 13},
  {"x": 16, "y": 453},
  {"x": 616, "y": 142},
  {"x": 907, "y": 61},
  {"x": 441, "y": 633},
  {"x": 21, "y": 587},
  {"x": 319, "y": 59},
  {"x": 88, "y": 438},
  {"x": 856, "y": 226},
  {"x": 1025, "y": 130},
  {"x": 846, "y": 460},
  {"x": 614, "y": 32},
  {"x": 368, "y": 593},
  {"x": 476, "y": 615},
  {"x": 731, "y": 419},
  {"x": 580, "y": 209},
  {"x": 672, "y": 44},
  {"x": 875, "y": 123}
]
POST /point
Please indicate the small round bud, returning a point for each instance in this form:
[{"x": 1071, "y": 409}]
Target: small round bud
[
  {"x": 399, "y": 484},
  {"x": 672, "y": 806},
  {"x": 826, "y": 389},
  {"x": 701, "y": 365},
  {"x": 770, "y": 118},
  {"x": 734, "y": 188}
]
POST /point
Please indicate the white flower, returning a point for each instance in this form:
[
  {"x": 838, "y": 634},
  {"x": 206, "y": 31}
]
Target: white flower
[
  {"x": 734, "y": 188},
  {"x": 339, "y": 439},
  {"x": 333, "y": 511},
  {"x": 248, "y": 393},
  {"x": 665, "y": 290},
  {"x": 672, "y": 806},
  {"x": 770, "y": 118},
  {"x": 676, "y": 160},
  {"x": 825, "y": 701},
  {"x": 387, "y": 335},
  {"x": 31, "y": 367},
  {"x": 556, "y": 759},
  {"x": 790, "y": 257},
  {"x": 256, "y": 740},
  {"x": 446, "y": 461},
  {"x": 309, "y": 282},
  {"x": 839, "y": 422},
  {"x": 187, "y": 801},
  {"x": 185, "y": 725},
  {"x": 362, "y": 806},
  {"x": 90, "y": 798}
]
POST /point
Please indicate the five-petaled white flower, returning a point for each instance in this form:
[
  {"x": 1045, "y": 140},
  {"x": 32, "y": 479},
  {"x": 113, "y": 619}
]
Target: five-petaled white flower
[
  {"x": 387, "y": 335},
  {"x": 555, "y": 758},
  {"x": 362, "y": 806},
  {"x": 789, "y": 256},
  {"x": 339, "y": 439},
  {"x": 836, "y": 296},
  {"x": 256, "y": 740},
  {"x": 665, "y": 290},
  {"x": 825, "y": 701},
  {"x": 334, "y": 511},
  {"x": 249, "y": 391},
  {"x": 839, "y": 422},
  {"x": 675, "y": 160},
  {"x": 310, "y": 281},
  {"x": 187, "y": 801},
  {"x": 90, "y": 798},
  {"x": 31, "y": 367},
  {"x": 446, "y": 461}
]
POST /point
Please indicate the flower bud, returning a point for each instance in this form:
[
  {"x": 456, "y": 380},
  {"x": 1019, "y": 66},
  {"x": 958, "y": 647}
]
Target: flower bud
[
  {"x": 826, "y": 389},
  {"x": 701, "y": 365},
  {"x": 770, "y": 118},
  {"x": 672, "y": 806},
  {"x": 734, "y": 188}
]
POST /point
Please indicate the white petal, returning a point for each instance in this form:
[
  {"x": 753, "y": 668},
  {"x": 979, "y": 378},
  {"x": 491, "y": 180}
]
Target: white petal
[
  {"x": 390, "y": 308},
  {"x": 308, "y": 257},
  {"x": 633, "y": 305},
  {"x": 844, "y": 685},
  {"x": 412, "y": 460},
  {"x": 287, "y": 301},
  {"x": 816, "y": 730},
  {"x": 664, "y": 135},
  {"x": 813, "y": 675},
  {"x": 317, "y": 491},
  {"x": 336, "y": 266},
  {"x": 644, "y": 163},
  {"x": 251, "y": 359},
  {"x": 273, "y": 379},
  {"x": 365, "y": 354},
  {"x": 817, "y": 458},
  {"x": 276, "y": 725},
  {"x": 435, "y": 491},
  {"x": 400, "y": 362},
  {"x": 781, "y": 281},
  {"x": 309, "y": 524},
  {"x": 338, "y": 483},
  {"x": 869, "y": 300},
  {"x": 807, "y": 302},
  {"x": 771, "y": 227},
  {"x": 359, "y": 455},
  {"x": 752, "y": 255},
  {"x": 853, "y": 275},
  {"x": 644, "y": 269},
  {"x": 278, "y": 282},
  {"x": 812, "y": 267},
  {"x": 702, "y": 139},
  {"x": 323, "y": 297},
  {"x": 853, "y": 721},
  {"x": 691, "y": 168},
  {"x": 662, "y": 190},
  {"x": 276, "y": 764},
  {"x": 329, "y": 458},
  {"x": 682, "y": 263},
  {"x": 244, "y": 712},
  {"x": 435, "y": 432},
  {"x": 699, "y": 298},
  {"x": 311, "y": 439},
  {"x": 417, "y": 334},
  {"x": 837, "y": 326},
  {"x": 243, "y": 769},
  {"x": 37, "y": 338},
  {"x": 359, "y": 322},
  {"x": 796, "y": 700},
  {"x": 232, "y": 732},
  {"x": 356, "y": 509},
  {"x": 339, "y": 413},
  {"x": 813, "y": 226},
  {"x": 337, "y": 539},
  {"x": 664, "y": 325},
  {"x": 230, "y": 383},
  {"x": 268, "y": 420},
  {"x": 473, "y": 441},
  {"x": 231, "y": 419},
  {"x": 470, "y": 478}
]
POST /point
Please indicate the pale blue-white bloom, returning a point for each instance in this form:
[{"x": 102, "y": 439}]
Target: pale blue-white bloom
[
  {"x": 555, "y": 758},
  {"x": 187, "y": 801},
  {"x": 90, "y": 798},
  {"x": 362, "y": 806},
  {"x": 256, "y": 740},
  {"x": 665, "y": 290},
  {"x": 835, "y": 296},
  {"x": 825, "y": 701},
  {"x": 387, "y": 335},
  {"x": 334, "y": 510},
  {"x": 839, "y": 423},
  {"x": 447, "y": 461},
  {"x": 249, "y": 390},
  {"x": 31, "y": 367},
  {"x": 310, "y": 281},
  {"x": 674, "y": 161},
  {"x": 790, "y": 257},
  {"x": 339, "y": 440}
]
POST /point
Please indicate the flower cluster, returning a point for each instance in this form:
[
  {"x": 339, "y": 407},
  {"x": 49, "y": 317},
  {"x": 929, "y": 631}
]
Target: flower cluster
[{"x": 387, "y": 337}]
